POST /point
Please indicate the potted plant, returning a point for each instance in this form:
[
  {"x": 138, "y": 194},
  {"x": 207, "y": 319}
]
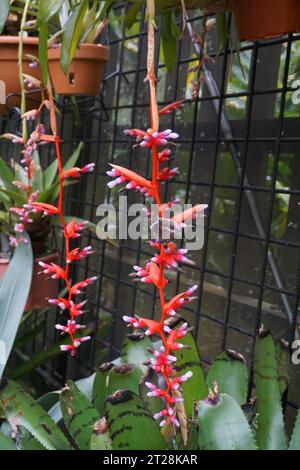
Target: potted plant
[
  {"x": 76, "y": 64},
  {"x": 11, "y": 26},
  {"x": 260, "y": 19}
]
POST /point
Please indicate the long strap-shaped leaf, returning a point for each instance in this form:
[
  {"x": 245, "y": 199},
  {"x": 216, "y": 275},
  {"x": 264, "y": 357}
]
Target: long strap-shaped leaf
[
  {"x": 21, "y": 409},
  {"x": 270, "y": 433},
  {"x": 222, "y": 425},
  {"x": 79, "y": 415},
  {"x": 229, "y": 370},
  {"x": 131, "y": 426},
  {"x": 14, "y": 289},
  {"x": 295, "y": 440},
  {"x": 6, "y": 443}
]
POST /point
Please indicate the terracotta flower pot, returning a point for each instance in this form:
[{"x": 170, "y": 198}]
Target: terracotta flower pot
[
  {"x": 4, "y": 262},
  {"x": 41, "y": 286},
  {"x": 85, "y": 73},
  {"x": 9, "y": 72},
  {"x": 260, "y": 19}
]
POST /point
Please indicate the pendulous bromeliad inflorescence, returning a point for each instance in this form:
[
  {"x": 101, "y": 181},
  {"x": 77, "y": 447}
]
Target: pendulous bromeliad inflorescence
[
  {"x": 167, "y": 256},
  {"x": 71, "y": 230}
]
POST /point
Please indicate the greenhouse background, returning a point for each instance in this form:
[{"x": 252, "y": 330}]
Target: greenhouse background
[{"x": 239, "y": 153}]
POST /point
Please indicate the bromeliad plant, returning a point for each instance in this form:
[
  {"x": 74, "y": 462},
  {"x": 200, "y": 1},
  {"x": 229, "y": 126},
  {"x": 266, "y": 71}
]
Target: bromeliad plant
[
  {"x": 167, "y": 255},
  {"x": 108, "y": 410}
]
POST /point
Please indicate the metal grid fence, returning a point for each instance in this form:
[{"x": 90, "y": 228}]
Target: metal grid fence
[{"x": 238, "y": 152}]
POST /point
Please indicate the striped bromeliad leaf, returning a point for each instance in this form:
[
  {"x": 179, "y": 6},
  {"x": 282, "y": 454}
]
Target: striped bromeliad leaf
[
  {"x": 79, "y": 414},
  {"x": 20, "y": 409},
  {"x": 229, "y": 370},
  {"x": 124, "y": 376},
  {"x": 222, "y": 424},
  {"x": 270, "y": 433},
  {"x": 100, "y": 386},
  {"x": 131, "y": 425},
  {"x": 283, "y": 364}
]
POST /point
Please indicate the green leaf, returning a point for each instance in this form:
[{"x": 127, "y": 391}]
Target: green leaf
[
  {"x": 7, "y": 177},
  {"x": 100, "y": 439},
  {"x": 134, "y": 351},
  {"x": 27, "y": 441},
  {"x": 50, "y": 174},
  {"x": 270, "y": 433},
  {"x": 169, "y": 36},
  {"x": 19, "y": 406},
  {"x": 4, "y": 10},
  {"x": 6, "y": 443},
  {"x": 71, "y": 162},
  {"x": 37, "y": 179},
  {"x": 222, "y": 425},
  {"x": 131, "y": 14},
  {"x": 131, "y": 426},
  {"x": 47, "y": 9},
  {"x": 14, "y": 289},
  {"x": 188, "y": 359},
  {"x": 124, "y": 376},
  {"x": 43, "y": 50},
  {"x": 72, "y": 34},
  {"x": 100, "y": 386},
  {"x": 295, "y": 439},
  {"x": 229, "y": 370},
  {"x": 283, "y": 365},
  {"x": 16, "y": 197},
  {"x": 222, "y": 31},
  {"x": 79, "y": 414},
  {"x": 48, "y": 400}
]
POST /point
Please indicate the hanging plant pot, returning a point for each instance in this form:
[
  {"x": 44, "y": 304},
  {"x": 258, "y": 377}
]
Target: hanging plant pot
[
  {"x": 85, "y": 73},
  {"x": 42, "y": 288},
  {"x": 260, "y": 19},
  {"x": 10, "y": 89}
]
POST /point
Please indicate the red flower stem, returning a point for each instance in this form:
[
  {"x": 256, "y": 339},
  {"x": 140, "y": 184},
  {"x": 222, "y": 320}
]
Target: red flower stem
[
  {"x": 63, "y": 222},
  {"x": 154, "y": 115}
]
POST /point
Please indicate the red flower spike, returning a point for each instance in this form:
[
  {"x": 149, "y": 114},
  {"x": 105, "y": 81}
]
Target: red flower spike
[
  {"x": 170, "y": 108},
  {"x": 128, "y": 175},
  {"x": 47, "y": 209},
  {"x": 188, "y": 214}
]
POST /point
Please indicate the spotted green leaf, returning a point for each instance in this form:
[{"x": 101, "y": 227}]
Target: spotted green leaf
[
  {"x": 131, "y": 425},
  {"x": 100, "y": 439},
  {"x": 22, "y": 409},
  {"x": 100, "y": 386},
  {"x": 79, "y": 414}
]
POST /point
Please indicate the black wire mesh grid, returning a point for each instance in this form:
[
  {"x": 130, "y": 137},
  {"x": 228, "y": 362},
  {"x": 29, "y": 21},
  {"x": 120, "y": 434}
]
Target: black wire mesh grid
[{"x": 238, "y": 152}]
